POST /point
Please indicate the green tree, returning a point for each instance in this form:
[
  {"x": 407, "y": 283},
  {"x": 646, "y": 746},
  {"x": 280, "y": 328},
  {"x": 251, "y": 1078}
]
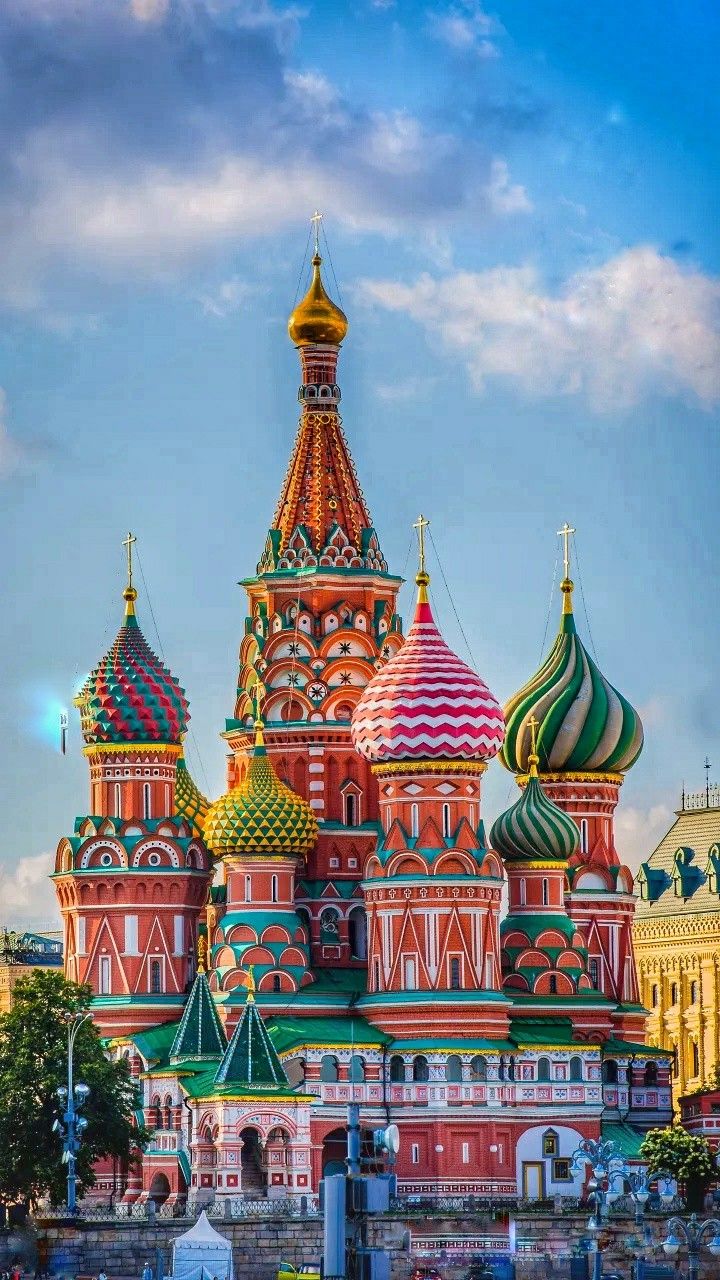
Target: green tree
[
  {"x": 685, "y": 1155},
  {"x": 33, "y": 1065}
]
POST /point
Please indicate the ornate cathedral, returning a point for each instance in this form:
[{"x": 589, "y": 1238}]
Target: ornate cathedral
[{"x": 331, "y": 929}]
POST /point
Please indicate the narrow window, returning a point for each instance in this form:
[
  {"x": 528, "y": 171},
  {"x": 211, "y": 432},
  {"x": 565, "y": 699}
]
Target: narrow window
[
  {"x": 376, "y": 974},
  {"x": 276, "y": 982},
  {"x": 693, "y": 992},
  {"x": 147, "y": 801},
  {"x": 553, "y": 985},
  {"x": 414, "y": 821},
  {"x": 156, "y": 982},
  {"x": 695, "y": 1058},
  {"x": 471, "y": 816},
  {"x": 673, "y": 993},
  {"x": 105, "y": 982},
  {"x": 118, "y": 800},
  {"x": 415, "y": 1153},
  {"x": 654, "y": 996},
  {"x": 583, "y": 835},
  {"x": 545, "y": 892},
  {"x": 523, "y": 893},
  {"x": 446, "y": 820},
  {"x": 248, "y": 888},
  {"x": 388, "y": 818},
  {"x": 594, "y": 971},
  {"x": 409, "y": 973},
  {"x": 350, "y": 809},
  {"x": 274, "y": 889},
  {"x": 167, "y": 800},
  {"x": 466, "y": 1152},
  {"x": 454, "y": 974}
]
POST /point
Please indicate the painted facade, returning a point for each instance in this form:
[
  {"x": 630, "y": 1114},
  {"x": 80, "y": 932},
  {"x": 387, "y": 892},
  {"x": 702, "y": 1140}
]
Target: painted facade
[{"x": 330, "y": 929}]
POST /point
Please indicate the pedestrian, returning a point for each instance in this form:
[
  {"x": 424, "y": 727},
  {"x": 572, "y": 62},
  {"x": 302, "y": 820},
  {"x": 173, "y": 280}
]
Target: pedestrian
[{"x": 147, "y": 1272}]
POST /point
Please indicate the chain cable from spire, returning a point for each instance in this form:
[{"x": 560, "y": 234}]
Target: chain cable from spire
[
  {"x": 332, "y": 268},
  {"x": 582, "y": 596},
  {"x": 452, "y": 602},
  {"x": 302, "y": 265},
  {"x": 551, "y": 601}
]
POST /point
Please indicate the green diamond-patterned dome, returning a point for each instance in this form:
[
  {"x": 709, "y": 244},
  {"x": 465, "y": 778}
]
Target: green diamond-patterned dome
[
  {"x": 261, "y": 815},
  {"x": 190, "y": 803}
]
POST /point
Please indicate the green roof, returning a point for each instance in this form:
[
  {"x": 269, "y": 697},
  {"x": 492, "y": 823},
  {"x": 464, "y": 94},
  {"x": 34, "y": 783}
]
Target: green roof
[
  {"x": 250, "y": 1057},
  {"x": 632, "y": 1049},
  {"x": 154, "y": 1045},
  {"x": 287, "y": 1034},
  {"x": 200, "y": 1034},
  {"x": 527, "y": 1032},
  {"x": 627, "y": 1140},
  {"x": 532, "y": 925},
  {"x": 315, "y": 889}
]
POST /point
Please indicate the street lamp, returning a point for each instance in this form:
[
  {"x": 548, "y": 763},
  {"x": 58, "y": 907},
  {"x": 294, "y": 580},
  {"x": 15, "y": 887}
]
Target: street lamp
[
  {"x": 73, "y": 1098},
  {"x": 609, "y": 1168},
  {"x": 692, "y": 1233}
]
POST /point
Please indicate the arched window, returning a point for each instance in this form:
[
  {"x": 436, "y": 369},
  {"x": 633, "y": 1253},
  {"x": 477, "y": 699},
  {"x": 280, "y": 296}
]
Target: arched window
[
  {"x": 156, "y": 982},
  {"x": 478, "y": 1068},
  {"x": 511, "y": 1067},
  {"x": 420, "y": 1069},
  {"x": 147, "y": 800},
  {"x": 610, "y": 1071},
  {"x": 501, "y": 1067},
  {"x": 651, "y": 1074},
  {"x": 351, "y": 802},
  {"x": 276, "y": 982},
  {"x": 329, "y": 926},
  {"x": 695, "y": 1057},
  {"x": 273, "y": 889},
  {"x": 118, "y": 800},
  {"x": 654, "y": 995},
  {"x": 576, "y": 1069},
  {"x": 523, "y": 893},
  {"x": 357, "y": 1069},
  {"x": 357, "y": 933},
  {"x": 673, "y": 992},
  {"x": 454, "y": 973},
  {"x": 397, "y": 1069},
  {"x": 693, "y": 991},
  {"x": 328, "y": 1069},
  {"x": 453, "y": 1068},
  {"x": 583, "y": 835},
  {"x": 543, "y": 1069},
  {"x": 545, "y": 892},
  {"x": 414, "y": 821},
  {"x": 552, "y": 983},
  {"x": 446, "y": 820}
]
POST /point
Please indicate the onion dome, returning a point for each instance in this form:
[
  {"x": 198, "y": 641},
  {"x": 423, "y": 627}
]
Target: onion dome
[
  {"x": 190, "y": 803},
  {"x": 262, "y": 814},
  {"x": 130, "y": 696},
  {"x": 534, "y": 829},
  {"x": 426, "y": 703},
  {"x": 585, "y": 725},
  {"x": 317, "y": 318}
]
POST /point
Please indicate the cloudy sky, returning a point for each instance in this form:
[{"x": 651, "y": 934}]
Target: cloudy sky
[{"x": 521, "y": 207}]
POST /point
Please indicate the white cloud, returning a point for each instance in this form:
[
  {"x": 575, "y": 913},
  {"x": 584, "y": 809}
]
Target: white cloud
[
  {"x": 638, "y": 832},
  {"x": 466, "y": 28},
  {"x": 504, "y": 196},
  {"x": 27, "y": 895},
  {"x": 641, "y": 323},
  {"x": 406, "y": 389},
  {"x": 149, "y": 10},
  {"x": 227, "y": 297}
]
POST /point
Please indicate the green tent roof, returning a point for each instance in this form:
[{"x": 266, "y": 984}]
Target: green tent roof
[
  {"x": 154, "y": 1045},
  {"x": 627, "y": 1140},
  {"x": 250, "y": 1058},
  {"x": 200, "y": 1034}
]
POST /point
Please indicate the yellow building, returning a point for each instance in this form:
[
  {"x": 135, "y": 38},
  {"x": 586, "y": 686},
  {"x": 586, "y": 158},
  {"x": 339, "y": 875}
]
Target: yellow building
[
  {"x": 676, "y": 938},
  {"x": 21, "y": 954}
]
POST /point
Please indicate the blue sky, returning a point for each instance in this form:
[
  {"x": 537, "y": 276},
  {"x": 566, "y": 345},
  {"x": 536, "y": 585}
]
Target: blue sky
[{"x": 520, "y": 202}]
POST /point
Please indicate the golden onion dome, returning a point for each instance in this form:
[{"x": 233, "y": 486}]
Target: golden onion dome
[
  {"x": 261, "y": 815},
  {"x": 317, "y": 318}
]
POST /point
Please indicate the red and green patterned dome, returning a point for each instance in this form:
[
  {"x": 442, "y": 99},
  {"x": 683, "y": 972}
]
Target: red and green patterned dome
[{"x": 130, "y": 696}]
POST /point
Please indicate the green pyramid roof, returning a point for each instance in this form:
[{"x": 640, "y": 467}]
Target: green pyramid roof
[
  {"x": 200, "y": 1034},
  {"x": 250, "y": 1057}
]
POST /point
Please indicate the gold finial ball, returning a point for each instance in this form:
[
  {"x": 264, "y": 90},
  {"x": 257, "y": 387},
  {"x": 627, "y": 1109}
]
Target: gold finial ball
[
  {"x": 422, "y": 578},
  {"x": 567, "y": 585},
  {"x": 130, "y": 594},
  {"x": 317, "y": 319}
]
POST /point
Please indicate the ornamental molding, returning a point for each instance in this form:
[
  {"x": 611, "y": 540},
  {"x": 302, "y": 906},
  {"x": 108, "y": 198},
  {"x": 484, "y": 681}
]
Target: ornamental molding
[{"x": 429, "y": 767}]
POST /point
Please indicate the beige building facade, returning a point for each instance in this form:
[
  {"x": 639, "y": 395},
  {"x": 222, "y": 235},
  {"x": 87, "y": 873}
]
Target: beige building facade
[{"x": 676, "y": 937}]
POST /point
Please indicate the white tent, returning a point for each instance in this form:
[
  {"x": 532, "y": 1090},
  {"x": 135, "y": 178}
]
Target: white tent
[{"x": 202, "y": 1253}]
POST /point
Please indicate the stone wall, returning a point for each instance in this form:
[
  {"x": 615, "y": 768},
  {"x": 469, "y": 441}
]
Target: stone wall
[{"x": 259, "y": 1245}]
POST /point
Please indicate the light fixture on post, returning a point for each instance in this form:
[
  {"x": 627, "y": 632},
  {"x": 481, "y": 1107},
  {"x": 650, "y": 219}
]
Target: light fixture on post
[{"x": 72, "y": 1098}]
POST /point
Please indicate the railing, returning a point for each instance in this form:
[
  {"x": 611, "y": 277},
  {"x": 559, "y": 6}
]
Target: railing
[{"x": 707, "y": 799}]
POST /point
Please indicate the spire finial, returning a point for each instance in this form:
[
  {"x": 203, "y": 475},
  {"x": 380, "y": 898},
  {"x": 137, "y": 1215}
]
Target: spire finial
[
  {"x": 533, "y": 758},
  {"x": 566, "y": 586},
  {"x": 257, "y": 696},
  {"x": 201, "y": 953},
  {"x": 316, "y": 221},
  {"x": 422, "y": 577},
  {"x": 250, "y": 984},
  {"x": 129, "y": 594}
]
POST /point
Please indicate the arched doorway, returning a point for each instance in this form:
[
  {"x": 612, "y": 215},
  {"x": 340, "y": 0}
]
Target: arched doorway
[
  {"x": 252, "y": 1174},
  {"x": 357, "y": 933},
  {"x": 159, "y": 1189}
]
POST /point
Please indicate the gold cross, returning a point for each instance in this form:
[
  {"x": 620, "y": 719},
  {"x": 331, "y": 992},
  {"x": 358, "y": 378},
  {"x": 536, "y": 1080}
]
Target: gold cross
[
  {"x": 565, "y": 533},
  {"x": 316, "y": 220},
  {"x": 421, "y": 524},
  {"x": 128, "y": 544},
  {"x": 533, "y": 726}
]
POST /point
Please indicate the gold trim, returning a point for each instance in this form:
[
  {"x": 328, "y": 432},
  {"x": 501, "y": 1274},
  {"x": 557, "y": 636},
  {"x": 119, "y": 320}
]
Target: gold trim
[
  {"x": 618, "y": 778},
  {"x": 543, "y": 866},
  {"x": 103, "y": 748},
  {"x": 430, "y": 766}
]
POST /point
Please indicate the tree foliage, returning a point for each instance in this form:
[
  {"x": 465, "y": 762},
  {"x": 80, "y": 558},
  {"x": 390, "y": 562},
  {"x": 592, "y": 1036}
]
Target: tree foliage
[
  {"x": 33, "y": 1065},
  {"x": 685, "y": 1155}
]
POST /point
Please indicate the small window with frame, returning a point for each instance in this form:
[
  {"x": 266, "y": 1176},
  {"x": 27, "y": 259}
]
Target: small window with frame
[
  {"x": 550, "y": 1143},
  {"x": 561, "y": 1170}
]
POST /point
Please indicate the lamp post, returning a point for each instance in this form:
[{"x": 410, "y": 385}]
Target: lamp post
[
  {"x": 638, "y": 1181},
  {"x": 73, "y": 1098},
  {"x": 609, "y": 1168},
  {"x": 692, "y": 1233}
]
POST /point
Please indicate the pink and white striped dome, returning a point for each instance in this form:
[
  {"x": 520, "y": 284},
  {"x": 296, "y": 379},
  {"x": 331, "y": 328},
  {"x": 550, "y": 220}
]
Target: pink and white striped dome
[{"x": 427, "y": 704}]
